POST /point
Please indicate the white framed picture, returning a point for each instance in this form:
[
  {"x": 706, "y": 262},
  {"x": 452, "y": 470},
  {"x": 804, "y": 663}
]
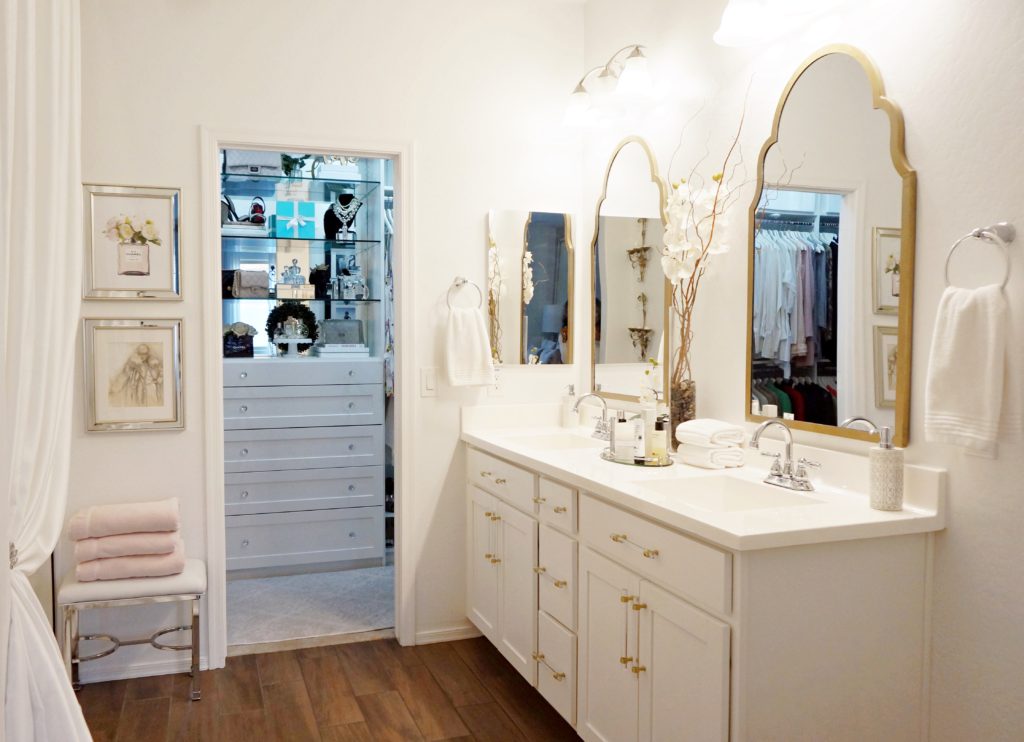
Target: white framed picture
[
  {"x": 885, "y": 269},
  {"x": 886, "y": 365},
  {"x": 131, "y": 242},
  {"x": 133, "y": 374}
]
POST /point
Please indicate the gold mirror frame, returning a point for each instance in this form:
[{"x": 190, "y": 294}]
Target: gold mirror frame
[
  {"x": 666, "y": 355},
  {"x": 908, "y": 237},
  {"x": 570, "y": 256}
]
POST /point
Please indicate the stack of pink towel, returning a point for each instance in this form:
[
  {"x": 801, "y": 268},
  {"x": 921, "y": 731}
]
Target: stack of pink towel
[{"x": 138, "y": 539}]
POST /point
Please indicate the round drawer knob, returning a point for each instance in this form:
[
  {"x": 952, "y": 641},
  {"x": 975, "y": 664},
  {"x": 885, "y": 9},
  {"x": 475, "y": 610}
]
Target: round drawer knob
[
  {"x": 245, "y": 542},
  {"x": 243, "y": 409},
  {"x": 351, "y": 446},
  {"x": 243, "y": 375},
  {"x": 351, "y": 405},
  {"x": 351, "y": 488},
  {"x": 351, "y": 534},
  {"x": 351, "y": 373},
  {"x": 245, "y": 494},
  {"x": 244, "y": 452}
]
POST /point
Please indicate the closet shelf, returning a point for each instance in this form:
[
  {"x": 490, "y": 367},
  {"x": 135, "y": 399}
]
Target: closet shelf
[
  {"x": 269, "y": 244},
  {"x": 266, "y": 185},
  {"x": 285, "y": 298}
]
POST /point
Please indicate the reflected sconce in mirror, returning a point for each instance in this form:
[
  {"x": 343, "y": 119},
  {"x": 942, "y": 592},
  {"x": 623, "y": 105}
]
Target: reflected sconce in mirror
[{"x": 625, "y": 74}]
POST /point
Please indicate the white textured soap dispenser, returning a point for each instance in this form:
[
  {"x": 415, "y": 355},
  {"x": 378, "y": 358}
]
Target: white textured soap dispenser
[{"x": 886, "y": 462}]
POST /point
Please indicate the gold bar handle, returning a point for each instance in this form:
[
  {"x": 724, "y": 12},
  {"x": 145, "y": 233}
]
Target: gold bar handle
[
  {"x": 559, "y": 676},
  {"x": 495, "y": 561},
  {"x": 622, "y": 538},
  {"x": 500, "y": 480},
  {"x": 625, "y": 660},
  {"x": 485, "y": 474},
  {"x": 489, "y": 514},
  {"x": 639, "y": 606},
  {"x": 488, "y": 557},
  {"x": 540, "y": 500},
  {"x": 543, "y": 572},
  {"x": 637, "y": 669},
  {"x": 495, "y": 517},
  {"x": 561, "y": 509}
]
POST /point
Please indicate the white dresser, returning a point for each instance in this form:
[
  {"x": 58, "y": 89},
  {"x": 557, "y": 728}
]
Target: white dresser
[{"x": 303, "y": 461}]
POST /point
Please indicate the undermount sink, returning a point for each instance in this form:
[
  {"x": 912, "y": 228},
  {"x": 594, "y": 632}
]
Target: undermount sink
[
  {"x": 727, "y": 494},
  {"x": 552, "y": 441}
]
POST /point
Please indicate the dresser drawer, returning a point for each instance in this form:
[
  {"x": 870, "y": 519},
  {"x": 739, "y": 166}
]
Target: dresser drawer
[
  {"x": 303, "y": 448},
  {"x": 692, "y": 569},
  {"x": 508, "y": 481},
  {"x": 556, "y": 505},
  {"x": 556, "y": 666},
  {"x": 282, "y": 539},
  {"x": 303, "y": 406},
  {"x": 557, "y": 570},
  {"x": 301, "y": 371},
  {"x": 311, "y": 489}
]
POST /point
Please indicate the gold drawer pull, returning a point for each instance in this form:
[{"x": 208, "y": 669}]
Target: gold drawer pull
[
  {"x": 485, "y": 474},
  {"x": 543, "y": 572},
  {"x": 639, "y": 606},
  {"x": 540, "y": 500},
  {"x": 561, "y": 509},
  {"x": 489, "y": 514},
  {"x": 538, "y": 657},
  {"x": 627, "y": 598},
  {"x": 488, "y": 557},
  {"x": 495, "y": 517},
  {"x": 500, "y": 480},
  {"x": 625, "y": 660},
  {"x": 637, "y": 669},
  {"x": 495, "y": 561},
  {"x": 621, "y": 538}
]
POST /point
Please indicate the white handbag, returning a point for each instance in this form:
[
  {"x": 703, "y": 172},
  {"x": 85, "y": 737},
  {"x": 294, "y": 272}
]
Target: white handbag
[{"x": 252, "y": 162}]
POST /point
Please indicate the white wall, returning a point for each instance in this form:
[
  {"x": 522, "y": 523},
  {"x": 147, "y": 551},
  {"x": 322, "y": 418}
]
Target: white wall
[
  {"x": 949, "y": 65},
  {"x": 478, "y": 88}
]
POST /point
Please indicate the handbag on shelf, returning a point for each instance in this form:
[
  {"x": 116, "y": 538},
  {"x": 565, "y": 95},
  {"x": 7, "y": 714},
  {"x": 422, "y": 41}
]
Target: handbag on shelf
[
  {"x": 252, "y": 162},
  {"x": 251, "y": 285}
]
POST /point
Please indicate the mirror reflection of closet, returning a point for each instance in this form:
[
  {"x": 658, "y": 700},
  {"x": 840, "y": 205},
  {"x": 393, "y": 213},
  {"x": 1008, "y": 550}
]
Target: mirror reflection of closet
[
  {"x": 630, "y": 309},
  {"x": 831, "y": 255}
]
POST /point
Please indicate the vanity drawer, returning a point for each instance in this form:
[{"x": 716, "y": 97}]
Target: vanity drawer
[
  {"x": 303, "y": 406},
  {"x": 301, "y": 372},
  {"x": 509, "y": 482},
  {"x": 557, "y": 571},
  {"x": 556, "y": 505},
  {"x": 303, "y": 448},
  {"x": 282, "y": 539},
  {"x": 556, "y": 666},
  {"x": 312, "y": 489},
  {"x": 692, "y": 569}
]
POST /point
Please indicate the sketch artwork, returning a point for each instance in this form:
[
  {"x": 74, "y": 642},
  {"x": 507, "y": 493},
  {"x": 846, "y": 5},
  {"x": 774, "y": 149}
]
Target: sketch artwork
[{"x": 140, "y": 380}]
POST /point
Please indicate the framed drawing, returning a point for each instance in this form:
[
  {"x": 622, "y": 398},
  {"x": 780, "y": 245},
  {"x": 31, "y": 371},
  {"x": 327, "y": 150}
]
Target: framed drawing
[
  {"x": 886, "y": 365},
  {"x": 133, "y": 374},
  {"x": 131, "y": 242},
  {"x": 885, "y": 269}
]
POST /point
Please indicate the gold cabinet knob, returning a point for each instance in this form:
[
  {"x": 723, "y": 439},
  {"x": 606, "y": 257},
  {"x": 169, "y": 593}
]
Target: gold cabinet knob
[
  {"x": 625, "y": 660},
  {"x": 488, "y": 557},
  {"x": 500, "y": 480},
  {"x": 560, "y": 584},
  {"x": 489, "y": 514},
  {"x": 639, "y": 606},
  {"x": 650, "y": 553},
  {"x": 485, "y": 474},
  {"x": 559, "y": 676},
  {"x": 495, "y": 561},
  {"x": 495, "y": 517},
  {"x": 619, "y": 538},
  {"x": 561, "y": 509},
  {"x": 540, "y": 500},
  {"x": 637, "y": 669}
]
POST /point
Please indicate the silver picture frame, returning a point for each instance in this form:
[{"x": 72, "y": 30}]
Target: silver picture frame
[
  {"x": 156, "y": 275},
  {"x": 133, "y": 374},
  {"x": 886, "y": 243}
]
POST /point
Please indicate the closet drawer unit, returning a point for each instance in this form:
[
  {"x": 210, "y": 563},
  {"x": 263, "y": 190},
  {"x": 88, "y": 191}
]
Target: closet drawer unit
[
  {"x": 283, "y": 539},
  {"x": 313, "y": 489},
  {"x": 303, "y": 406},
  {"x": 557, "y": 571},
  {"x": 507, "y": 481},
  {"x": 690, "y": 568},
  {"x": 556, "y": 505},
  {"x": 556, "y": 666},
  {"x": 301, "y": 372},
  {"x": 303, "y": 448}
]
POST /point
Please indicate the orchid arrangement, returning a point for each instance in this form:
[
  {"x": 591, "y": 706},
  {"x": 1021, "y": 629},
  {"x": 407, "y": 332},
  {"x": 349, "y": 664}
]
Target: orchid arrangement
[
  {"x": 527, "y": 277},
  {"x": 495, "y": 288},
  {"x": 124, "y": 229}
]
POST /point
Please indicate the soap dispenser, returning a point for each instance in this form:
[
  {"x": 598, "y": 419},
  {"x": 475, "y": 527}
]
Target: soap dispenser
[
  {"x": 886, "y": 463},
  {"x": 570, "y": 418}
]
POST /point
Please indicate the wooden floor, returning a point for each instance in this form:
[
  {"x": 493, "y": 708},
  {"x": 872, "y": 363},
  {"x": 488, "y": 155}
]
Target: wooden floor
[{"x": 375, "y": 691}]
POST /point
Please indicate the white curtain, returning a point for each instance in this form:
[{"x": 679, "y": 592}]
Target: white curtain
[{"x": 40, "y": 289}]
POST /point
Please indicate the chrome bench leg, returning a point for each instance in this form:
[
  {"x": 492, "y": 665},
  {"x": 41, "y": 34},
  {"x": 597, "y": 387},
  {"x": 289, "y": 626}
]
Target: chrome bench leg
[{"x": 195, "y": 650}]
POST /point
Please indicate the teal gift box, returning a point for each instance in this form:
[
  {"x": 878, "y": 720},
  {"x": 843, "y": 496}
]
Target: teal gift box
[{"x": 295, "y": 219}]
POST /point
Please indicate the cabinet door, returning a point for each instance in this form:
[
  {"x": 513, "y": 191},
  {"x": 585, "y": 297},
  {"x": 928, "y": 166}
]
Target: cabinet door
[
  {"x": 517, "y": 615},
  {"x": 608, "y": 687},
  {"x": 482, "y": 570},
  {"x": 684, "y": 684}
]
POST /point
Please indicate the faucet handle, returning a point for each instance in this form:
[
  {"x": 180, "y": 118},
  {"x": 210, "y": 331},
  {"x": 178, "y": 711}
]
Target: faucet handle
[
  {"x": 802, "y": 464},
  {"x": 776, "y": 465}
]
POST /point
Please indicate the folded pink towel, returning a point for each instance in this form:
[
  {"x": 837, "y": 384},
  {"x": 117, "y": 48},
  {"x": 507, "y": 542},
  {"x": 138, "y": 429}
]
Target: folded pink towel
[
  {"x": 129, "y": 517},
  {"x": 148, "y": 565},
  {"x": 125, "y": 544}
]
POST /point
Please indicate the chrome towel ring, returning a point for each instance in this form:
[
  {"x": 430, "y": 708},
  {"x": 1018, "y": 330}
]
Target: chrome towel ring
[
  {"x": 1000, "y": 234},
  {"x": 458, "y": 283}
]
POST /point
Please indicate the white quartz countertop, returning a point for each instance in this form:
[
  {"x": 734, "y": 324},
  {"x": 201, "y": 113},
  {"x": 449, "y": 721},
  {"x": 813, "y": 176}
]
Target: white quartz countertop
[{"x": 838, "y": 509}]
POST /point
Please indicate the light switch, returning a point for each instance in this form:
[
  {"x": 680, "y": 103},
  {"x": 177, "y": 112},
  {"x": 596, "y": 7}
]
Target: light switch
[{"x": 428, "y": 382}]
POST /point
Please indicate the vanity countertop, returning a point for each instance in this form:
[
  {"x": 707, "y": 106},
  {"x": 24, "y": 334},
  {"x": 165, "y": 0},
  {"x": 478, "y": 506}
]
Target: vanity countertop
[{"x": 838, "y": 511}]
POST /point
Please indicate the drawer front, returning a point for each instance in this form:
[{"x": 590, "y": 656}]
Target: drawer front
[
  {"x": 303, "y": 406},
  {"x": 557, "y": 570},
  {"x": 511, "y": 483},
  {"x": 300, "y": 372},
  {"x": 313, "y": 489},
  {"x": 556, "y": 505},
  {"x": 282, "y": 539},
  {"x": 556, "y": 666},
  {"x": 694, "y": 570},
  {"x": 303, "y": 448}
]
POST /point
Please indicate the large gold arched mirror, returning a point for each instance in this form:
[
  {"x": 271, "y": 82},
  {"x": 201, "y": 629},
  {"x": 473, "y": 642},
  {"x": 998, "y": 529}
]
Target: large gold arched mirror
[
  {"x": 631, "y": 294},
  {"x": 831, "y": 266}
]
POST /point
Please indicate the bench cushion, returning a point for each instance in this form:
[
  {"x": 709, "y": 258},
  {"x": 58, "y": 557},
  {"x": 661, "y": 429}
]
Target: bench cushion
[{"x": 191, "y": 580}]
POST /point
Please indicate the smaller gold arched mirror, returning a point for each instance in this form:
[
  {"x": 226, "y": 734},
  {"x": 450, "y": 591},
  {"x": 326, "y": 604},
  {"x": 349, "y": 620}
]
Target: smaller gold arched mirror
[
  {"x": 630, "y": 292},
  {"x": 831, "y": 255}
]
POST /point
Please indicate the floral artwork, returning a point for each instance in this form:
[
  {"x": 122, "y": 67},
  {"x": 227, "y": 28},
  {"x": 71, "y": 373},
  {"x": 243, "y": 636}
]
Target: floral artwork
[
  {"x": 885, "y": 274},
  {"x": 133, "y": 236}
]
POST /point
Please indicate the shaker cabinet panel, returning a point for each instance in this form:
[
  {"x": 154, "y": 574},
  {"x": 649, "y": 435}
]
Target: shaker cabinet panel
[
  {"x": 482, "y": 570},
  {"x": 248, "y": 408},
  {"x": 517, "y": 624},
  {"x": 511, "y": 483},
  {"x": 556, "y": 567},
  {"x": 556, "y": 666}
]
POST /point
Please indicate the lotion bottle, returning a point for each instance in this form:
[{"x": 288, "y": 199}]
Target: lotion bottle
[
  {"x": 570, "y": 419},
  {"x": 639, "y": 440},
  {"x": 623, "y": 438},
  {"x": 659, "y": 439},
  {"x": 886, "y": 464}
]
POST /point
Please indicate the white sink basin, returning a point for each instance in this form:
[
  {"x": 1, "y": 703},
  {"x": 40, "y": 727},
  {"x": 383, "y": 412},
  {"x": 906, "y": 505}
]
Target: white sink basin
[
  {"x": 555, "y": 441},
  {"x": 728, "y": 494}
]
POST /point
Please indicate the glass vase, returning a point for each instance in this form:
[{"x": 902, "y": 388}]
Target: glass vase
[
  {"x": 132, "y": 259},
  {"x": 682, "y": 405}
]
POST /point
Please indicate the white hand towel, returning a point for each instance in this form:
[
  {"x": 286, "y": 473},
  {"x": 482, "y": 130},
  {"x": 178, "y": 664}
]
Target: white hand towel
[
  {"x": 708, "y": 457},
  {"x": 468, "y": 349},
  {"x": 709, "y": 432},
  {"x": 967, "y": 370}
]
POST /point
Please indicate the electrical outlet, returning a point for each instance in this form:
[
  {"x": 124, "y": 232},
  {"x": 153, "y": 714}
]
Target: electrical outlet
[
  {"x": 497, "y": 389},
  {"x": 428, "y": 382}
]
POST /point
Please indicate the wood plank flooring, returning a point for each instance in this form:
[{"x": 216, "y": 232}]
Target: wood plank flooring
[{"x": 375, "y": 691}]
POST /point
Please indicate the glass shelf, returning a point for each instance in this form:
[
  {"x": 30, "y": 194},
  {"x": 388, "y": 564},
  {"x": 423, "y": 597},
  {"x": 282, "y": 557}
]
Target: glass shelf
[
  {"x": 274, "y": 298},
  {"x": 269, "y": 244},
  {"x": 237, "y": 184}
]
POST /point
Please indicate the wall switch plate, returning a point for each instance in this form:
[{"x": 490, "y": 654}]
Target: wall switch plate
[
  {"x": 497, "y": 389},
  {"x": 428, "y": 382}
]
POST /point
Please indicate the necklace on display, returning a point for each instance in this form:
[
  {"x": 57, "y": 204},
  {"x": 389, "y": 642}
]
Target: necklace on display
[{"x": 346, "y": 213}]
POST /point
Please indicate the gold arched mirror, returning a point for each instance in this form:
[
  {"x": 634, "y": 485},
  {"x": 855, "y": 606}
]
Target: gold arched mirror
[
  {"x": 630, "y": 293},
  {"x": 831, "y": 255}
]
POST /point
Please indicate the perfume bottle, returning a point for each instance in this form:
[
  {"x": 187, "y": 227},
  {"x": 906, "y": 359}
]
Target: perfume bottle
[{"x": 132, "y": 259}]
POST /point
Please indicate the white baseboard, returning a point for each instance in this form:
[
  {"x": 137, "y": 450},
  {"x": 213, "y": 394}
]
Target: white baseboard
[
  {"x": 139, "y": 669},
  {"x": 454, "y": 633}
]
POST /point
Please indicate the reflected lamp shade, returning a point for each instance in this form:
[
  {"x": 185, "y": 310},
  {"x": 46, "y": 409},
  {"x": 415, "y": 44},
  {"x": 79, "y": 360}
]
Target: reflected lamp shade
[
  {"x": 551, "y": 319},
  {"x": 634, "y": 80}
]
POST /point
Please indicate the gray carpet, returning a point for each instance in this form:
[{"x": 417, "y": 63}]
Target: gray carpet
[{"x": 268, "y": 609}]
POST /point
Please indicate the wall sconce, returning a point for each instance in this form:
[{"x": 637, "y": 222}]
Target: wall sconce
[{"x": 624, "y": 75}]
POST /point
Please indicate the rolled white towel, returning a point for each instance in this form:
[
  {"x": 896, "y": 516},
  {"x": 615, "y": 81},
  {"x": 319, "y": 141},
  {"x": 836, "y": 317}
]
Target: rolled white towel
[
  {"x": 708, "y": 457},
  {"x": 709, "y": 432}
]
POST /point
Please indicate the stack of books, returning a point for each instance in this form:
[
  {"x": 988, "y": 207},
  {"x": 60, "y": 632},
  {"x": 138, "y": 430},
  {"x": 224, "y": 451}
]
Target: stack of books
[{"x": 343, "y": 350}]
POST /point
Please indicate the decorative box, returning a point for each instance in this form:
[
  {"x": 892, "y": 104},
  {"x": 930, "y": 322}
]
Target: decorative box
[
  {"x": 237, "y": 346},
  {"x": 295, "y": 219},
  {"x": 295, "y": 291}
]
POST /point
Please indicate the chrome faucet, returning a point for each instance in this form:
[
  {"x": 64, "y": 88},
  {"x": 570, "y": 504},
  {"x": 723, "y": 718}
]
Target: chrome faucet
[
  {"x": 859, "y": 420},
  {"x": 789, "y": 474},
  {"x": 602, "y": 429}
]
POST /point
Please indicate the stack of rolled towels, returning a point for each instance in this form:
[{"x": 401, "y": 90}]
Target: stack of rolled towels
[
  {"x": 138, "y": 539},
  {"x": 709, "y": 444}
]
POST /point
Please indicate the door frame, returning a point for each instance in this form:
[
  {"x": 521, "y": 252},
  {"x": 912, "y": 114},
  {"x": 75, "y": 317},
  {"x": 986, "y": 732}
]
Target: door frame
[{"x": 212, "y": 140}]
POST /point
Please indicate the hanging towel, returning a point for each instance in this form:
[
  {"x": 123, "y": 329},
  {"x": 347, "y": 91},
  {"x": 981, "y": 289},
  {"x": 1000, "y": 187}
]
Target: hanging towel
[
  {"x": 130, "y": 517},
  {"x": 149, "y": 565},
  {"x": 709, "y": 432},
  {"x": 967, "y": 370},
  {"x": 468, "y": 349},
  {"x": 125, "y": 544},
  {"x": 708, "y": 457}
]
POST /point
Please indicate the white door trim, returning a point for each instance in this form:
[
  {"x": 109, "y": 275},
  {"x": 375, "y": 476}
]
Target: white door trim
[{"x": 211, "y": 140}]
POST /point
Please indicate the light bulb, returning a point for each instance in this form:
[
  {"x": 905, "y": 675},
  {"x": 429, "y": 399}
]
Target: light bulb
[
  {"x": 634, "y": 80},
  {"x": 578, "y": 107}
]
